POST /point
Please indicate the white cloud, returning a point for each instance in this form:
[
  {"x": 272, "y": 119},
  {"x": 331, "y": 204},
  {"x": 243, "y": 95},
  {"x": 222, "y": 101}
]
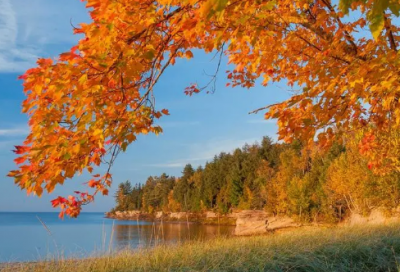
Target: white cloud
[
  {"x": 36, "y": 28},
  {"x": 200, "y": 153},
  {"x": 8, "y": 24},
  {"x": 12, "y": 58},
  {"x": 16, "y": 131},
  {"x": 14, "y": 63},
  {"x": 207, "y": 150}
]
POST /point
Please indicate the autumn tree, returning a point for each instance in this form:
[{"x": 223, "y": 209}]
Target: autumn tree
[
  {"x": 235, "y": 179},
  {"x": 136, "y": 197},
  {"x": 90, "y": 103},
  {"x": 291, "y": 168},
  {"x": 122, "y": 196},
  {"x": 351, "y": 185},
  {"x": 182, "y": 189},
  {"x": 156, "y": 191},
  {"x": 196, "y": 190},
  {"x": 173, "y": 205}
]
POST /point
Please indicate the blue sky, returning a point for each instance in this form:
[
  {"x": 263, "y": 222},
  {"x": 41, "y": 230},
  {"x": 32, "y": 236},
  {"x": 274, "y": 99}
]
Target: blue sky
[{"x": 198, "y": 128}]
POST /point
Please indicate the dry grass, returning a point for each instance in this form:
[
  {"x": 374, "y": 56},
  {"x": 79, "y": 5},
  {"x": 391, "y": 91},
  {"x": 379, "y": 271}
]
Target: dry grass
[{"x": 309, "y": 249}]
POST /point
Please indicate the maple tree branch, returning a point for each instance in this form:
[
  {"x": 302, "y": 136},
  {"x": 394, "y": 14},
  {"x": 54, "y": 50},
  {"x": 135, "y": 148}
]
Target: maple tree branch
[
  {"x": 166, "y": 18},
  {"x": 265, "y": 108},
  {"x": 214, "y": 76},
  {"x": 320, "y": 50},
  {"x": 122, "y": 87},
  {"x": 340, "y": 24},
  {"x": 153, "y": 82},
  {"x": 158, "y": 57},
  {"x": 308, "y": 42},
  {"x": 318, "y": 33},
  {"x": 328, "y": 37},
  {"x": 390, "y": 35}
]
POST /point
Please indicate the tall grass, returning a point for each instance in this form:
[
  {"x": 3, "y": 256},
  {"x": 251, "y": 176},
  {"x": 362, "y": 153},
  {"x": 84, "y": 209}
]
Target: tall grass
[{"x": 309, "y": 249}]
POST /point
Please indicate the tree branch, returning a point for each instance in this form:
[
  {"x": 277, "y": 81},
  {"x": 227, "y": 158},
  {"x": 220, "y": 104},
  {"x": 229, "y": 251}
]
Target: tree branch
[{"x": 389, "y": 34}]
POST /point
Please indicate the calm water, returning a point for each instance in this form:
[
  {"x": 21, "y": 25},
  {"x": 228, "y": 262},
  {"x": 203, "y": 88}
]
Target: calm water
[{"x": 24, "y": 238}]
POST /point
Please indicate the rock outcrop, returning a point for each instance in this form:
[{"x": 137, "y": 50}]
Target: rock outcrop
[
  {"x": 128, "y": 215},
  {"x": 211, "y": 215},
  {"x": 251, "y": 222},
  {"x": 281, "y": 222},
  {"x": 178, "y": 215},
  {"x": 159, "y": 215},
  {"x": 248, "y": 222},
  {"x": 376, "y": 216}
]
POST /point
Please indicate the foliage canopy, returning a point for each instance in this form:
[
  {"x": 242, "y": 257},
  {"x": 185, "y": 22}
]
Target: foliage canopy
[{"x": 93, "y": 101}]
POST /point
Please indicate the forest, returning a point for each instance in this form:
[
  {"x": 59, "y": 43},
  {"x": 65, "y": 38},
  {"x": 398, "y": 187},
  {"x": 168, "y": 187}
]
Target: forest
[{"x": 283, "y": 179}]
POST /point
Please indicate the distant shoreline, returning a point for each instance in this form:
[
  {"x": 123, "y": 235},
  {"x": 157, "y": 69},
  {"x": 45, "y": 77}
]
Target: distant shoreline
[
  {"x": 205, "y": 218},
  {"x": 48, "y": 212}
]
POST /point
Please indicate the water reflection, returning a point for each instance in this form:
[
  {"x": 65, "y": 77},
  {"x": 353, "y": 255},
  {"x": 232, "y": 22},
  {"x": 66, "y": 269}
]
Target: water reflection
[
  {"x": 139, "y": 236},
  {"x": 24, "y": 238}
]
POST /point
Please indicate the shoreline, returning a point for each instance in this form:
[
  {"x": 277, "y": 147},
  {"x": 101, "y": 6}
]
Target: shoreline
[{"x": 204, "y": 218}]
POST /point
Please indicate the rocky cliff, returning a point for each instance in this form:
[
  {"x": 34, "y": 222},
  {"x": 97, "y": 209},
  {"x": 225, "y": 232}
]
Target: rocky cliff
[
  {"x": 247, "y": 222},
  {"x": 210, "y": 218}
]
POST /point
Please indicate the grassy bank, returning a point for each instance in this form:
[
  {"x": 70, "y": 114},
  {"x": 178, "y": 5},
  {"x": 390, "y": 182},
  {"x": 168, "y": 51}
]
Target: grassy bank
[{"x": 308, "y": 249}]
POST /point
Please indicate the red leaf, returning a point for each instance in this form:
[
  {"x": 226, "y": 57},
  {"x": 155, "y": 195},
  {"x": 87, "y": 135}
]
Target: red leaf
[
  {"x": 23, "y": 77},
  {"x": 19, "y": 149},
  {"x": 59, "y": 200},
  {"x": 20, "y": 160},
  {"x": 78, "y": 30},
  {"x": 74, "y": 48}
]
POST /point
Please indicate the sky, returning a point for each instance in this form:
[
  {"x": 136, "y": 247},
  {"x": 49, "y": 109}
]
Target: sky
[{"x": 198, "y": 128}]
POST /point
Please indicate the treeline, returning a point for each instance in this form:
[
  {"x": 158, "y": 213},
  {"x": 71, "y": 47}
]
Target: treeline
[{"x": 279, "y": 178}]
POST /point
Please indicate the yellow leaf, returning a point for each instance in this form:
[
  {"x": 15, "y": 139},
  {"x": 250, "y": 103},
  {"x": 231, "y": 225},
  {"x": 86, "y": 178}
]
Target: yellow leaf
[
  {"x": 82, "y": 80},
  {"x": 97, "y": 132}
]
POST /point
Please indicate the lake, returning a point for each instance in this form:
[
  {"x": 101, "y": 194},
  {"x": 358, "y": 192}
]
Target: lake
[{"x": 37, "y": 236}]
